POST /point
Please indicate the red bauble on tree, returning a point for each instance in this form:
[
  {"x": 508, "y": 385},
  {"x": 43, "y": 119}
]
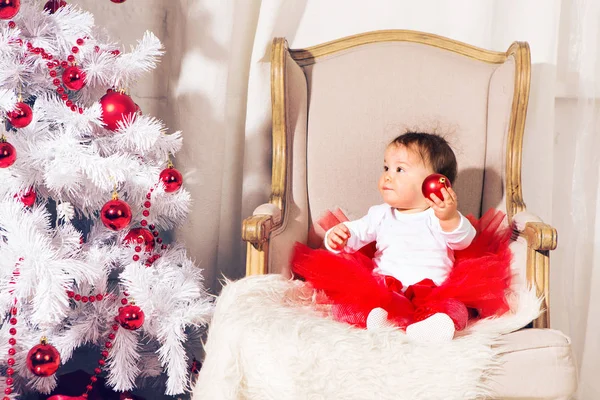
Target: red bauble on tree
[
  {"x": 139, "y": 236},
  {"x": 53, "y": 5},
  {"x": 116, "y": 214},
  {"x": 433, "y": 184},
  {"x": 131, "y": 317},
  {"x": 73, "y": 78},
  {"x": 43, "y": 359},
  {"x": 27, "y": 198},
  {"x": 9, "y": 8},
  {"x": 172, "y": 179},
  {"x": 21, "y": 116},
  {"x": 116, "y": 107},
  {"x": 8, "y": 154}
]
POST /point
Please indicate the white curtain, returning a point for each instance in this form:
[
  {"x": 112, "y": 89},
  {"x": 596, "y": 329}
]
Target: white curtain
[
  {"x": 214, "y": 85},
  {"x": 576, "y": 211}
]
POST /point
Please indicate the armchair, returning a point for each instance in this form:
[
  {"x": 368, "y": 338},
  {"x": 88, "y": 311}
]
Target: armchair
[{"x": 336, "y": 106}]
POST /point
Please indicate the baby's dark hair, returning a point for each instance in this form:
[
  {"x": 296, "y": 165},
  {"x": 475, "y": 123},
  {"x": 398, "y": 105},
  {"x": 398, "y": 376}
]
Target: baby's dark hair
[{"x": 433, "y": 149}]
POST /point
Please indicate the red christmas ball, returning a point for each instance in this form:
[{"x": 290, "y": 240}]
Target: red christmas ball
[
  {"x": 433, "y": 184},
  {"x": 115, "y": 214},
  {"x": 118, "y": 1},
  {"x": 172, "y": 179},
  {"x": 27, "y": 198},
  {"x": 73, "y": 78},
  {"x": 116, "y": 107},
  {"x": 8, "y": 154},
  {"x": 137, "y": 236},
  {"x": 53, "y": 5},
  {"x": 43, "y": 360},
  {"x": 21, "y": 116},
  {"x": 9, "y": 8},
  {"x": 131, "y": 317}
]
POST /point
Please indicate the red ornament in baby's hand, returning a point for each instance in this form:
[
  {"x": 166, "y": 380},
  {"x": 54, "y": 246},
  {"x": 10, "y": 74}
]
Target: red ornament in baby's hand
[{"x": 433, "y": 184}]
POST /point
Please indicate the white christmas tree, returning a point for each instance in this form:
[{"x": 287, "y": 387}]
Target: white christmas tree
[{"x": 77, "y": 151}]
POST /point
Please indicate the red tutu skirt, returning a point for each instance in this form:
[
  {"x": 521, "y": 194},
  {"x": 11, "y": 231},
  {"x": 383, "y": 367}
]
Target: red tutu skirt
[{"x": 476, "y": 286}]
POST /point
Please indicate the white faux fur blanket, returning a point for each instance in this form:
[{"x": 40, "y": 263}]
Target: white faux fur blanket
[{"x": 268, "y": 340}]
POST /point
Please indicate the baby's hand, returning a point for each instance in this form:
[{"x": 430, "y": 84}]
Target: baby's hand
[
  {"x": 338, "y": 237},
  {"x": 446, "y": 210}
]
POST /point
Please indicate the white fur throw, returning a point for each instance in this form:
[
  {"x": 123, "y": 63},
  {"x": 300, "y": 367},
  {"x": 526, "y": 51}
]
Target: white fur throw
[{"x": 268, "y": 340}]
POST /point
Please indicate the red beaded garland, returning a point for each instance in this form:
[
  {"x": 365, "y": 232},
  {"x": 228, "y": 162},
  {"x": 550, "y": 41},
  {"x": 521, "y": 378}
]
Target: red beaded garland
[{"x": 11, "y": 351}]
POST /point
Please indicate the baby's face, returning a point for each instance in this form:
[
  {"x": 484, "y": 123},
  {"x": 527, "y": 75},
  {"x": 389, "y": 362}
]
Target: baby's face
[{"x": 402, "y": 178}]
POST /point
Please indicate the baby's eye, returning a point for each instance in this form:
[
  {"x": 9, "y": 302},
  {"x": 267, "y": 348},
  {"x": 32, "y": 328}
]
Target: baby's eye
[
  {"x": 385, "y": 168},
  {"x": 399, "y": 169}
]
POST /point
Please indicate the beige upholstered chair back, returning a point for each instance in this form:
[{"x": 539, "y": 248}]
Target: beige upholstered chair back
[
  {"x": 361, "y": 97},
  {"x": 337, "y": 105},
  {"x": 347, "y": 100}
]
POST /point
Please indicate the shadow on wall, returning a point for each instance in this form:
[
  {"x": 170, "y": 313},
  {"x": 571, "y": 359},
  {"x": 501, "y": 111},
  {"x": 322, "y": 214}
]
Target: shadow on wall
[
  {"x": 194, "y": 58},
  {"x": 470, "y": 178},
  {"x": 210, "y": 45}
]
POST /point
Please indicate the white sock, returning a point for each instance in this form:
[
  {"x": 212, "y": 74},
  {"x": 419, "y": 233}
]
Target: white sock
[
  {"x": 377, "y": 319},
  {"x": 437, "y": 328}
]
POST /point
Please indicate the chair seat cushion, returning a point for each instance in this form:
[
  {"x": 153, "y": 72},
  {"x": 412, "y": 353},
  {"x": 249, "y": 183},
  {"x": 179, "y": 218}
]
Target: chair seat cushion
[{"x": 536, "y": 364}]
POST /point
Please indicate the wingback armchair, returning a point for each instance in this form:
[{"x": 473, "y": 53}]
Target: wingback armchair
[{"x": 337, "y": 105}]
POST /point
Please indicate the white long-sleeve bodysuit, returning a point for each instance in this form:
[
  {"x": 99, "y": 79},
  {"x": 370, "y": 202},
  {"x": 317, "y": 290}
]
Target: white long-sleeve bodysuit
[{"x": 410, "y": 247}]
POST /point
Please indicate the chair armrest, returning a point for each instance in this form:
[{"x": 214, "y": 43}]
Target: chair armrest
[
  {"x": 256, "y": 230},
  {"x": 539, "y": 235},
  {"x": 541, "y": 238}
]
